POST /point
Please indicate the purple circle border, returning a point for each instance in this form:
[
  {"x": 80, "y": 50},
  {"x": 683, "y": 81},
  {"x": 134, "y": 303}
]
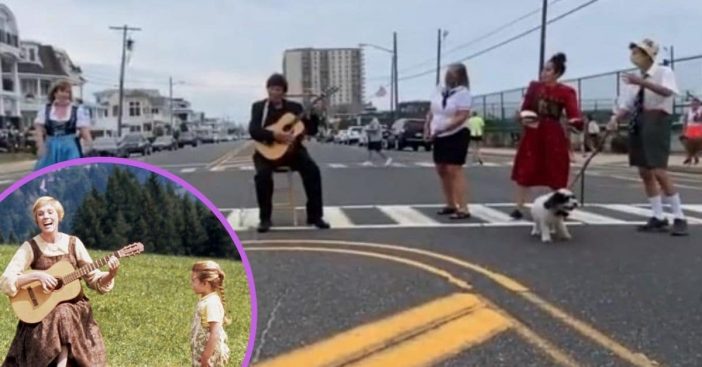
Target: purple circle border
[{"x": 191, "y": 189}]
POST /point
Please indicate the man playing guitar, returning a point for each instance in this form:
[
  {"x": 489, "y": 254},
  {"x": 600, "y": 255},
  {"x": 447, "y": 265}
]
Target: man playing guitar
[{"x": 297, "y": 158}]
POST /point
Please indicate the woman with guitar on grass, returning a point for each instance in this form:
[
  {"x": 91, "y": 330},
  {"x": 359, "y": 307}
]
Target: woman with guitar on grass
[
  {"x": 267, "y": 113},
  {"x": 69, "y": 330}
]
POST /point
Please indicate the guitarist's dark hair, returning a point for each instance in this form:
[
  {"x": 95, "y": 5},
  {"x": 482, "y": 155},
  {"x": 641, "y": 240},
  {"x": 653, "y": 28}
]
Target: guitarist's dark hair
[{"x": 277, "y": 80}]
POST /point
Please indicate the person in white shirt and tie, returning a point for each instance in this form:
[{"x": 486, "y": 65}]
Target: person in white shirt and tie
[{"x": 648, "y": 105}]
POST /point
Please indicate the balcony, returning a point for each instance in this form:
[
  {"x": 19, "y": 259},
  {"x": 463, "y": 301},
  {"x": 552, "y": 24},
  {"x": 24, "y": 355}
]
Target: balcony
[{"x": 9, "y": 39}]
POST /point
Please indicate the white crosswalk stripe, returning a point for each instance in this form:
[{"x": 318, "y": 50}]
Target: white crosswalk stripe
[
  {"x": 645, "y": 213},
  {"x": 482, "y": 215},
  {"x": 245, "y": 165},
  {"x": 406, "y": 216}
]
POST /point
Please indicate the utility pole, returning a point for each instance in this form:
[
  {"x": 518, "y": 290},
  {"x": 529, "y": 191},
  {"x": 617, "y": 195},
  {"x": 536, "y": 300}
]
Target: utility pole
[
  {"x": 170, "y": 101},
  {"x": 672, "y": 57},
  {"x": 544, "y": 12},
  {"x": 394, "y": 58},
  {"x": 438, "y": 57},
  {"x": 124, "y": 30}
]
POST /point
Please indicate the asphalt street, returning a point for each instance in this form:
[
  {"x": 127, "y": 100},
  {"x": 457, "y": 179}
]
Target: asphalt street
[{"x": 393, "y": 284}]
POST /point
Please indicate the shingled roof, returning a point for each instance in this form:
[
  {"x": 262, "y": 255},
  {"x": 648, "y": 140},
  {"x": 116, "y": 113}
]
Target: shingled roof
[{"x": 50, "y": 64}]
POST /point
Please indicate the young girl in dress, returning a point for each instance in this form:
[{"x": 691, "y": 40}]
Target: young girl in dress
[
  {"x": 208, "y": 340},
  {"x": 59, "y": 121}
]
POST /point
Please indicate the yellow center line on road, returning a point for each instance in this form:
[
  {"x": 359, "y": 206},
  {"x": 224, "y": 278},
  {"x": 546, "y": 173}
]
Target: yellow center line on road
[
  {"x": 230, "y": 154},
  {"x": 636, "y": 359},
  {"x": 443, "y": 342},
  {"x": 417, "y": 337}
]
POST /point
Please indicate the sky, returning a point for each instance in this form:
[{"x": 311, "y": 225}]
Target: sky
[{"x": 220, "y": 52}]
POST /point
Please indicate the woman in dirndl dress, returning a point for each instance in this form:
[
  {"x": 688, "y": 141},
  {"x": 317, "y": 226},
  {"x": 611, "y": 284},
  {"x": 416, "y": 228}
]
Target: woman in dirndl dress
[
  {"x": 59, "y": 121},
  {"x": 68, "y": 335},
  {"x": 692, "y": 132}
]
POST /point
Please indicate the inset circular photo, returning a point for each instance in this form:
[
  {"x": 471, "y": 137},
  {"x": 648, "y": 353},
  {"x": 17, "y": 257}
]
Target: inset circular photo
[{"x": 115, "y": 262}]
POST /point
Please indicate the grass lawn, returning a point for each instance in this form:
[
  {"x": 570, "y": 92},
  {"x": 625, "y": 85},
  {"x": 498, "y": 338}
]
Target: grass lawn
[{"x": 146, "y": 319}]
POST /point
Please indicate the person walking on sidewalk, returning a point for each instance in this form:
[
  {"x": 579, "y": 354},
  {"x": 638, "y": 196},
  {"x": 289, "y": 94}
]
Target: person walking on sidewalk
[
  {"x": 593, "y": 133},
  {"x": 543, "y": 155},
  {"x": 374, "y": 132},
  {"x": 648, "y": 104},
  {"x": 476, "y": 124},
  {"x": 692, "y": 132}
]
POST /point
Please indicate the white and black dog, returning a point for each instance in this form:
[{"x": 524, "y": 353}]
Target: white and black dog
[{"x": 549, "y": 212}]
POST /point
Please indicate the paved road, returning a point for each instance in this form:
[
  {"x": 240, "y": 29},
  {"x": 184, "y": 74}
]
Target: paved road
[{"x": 393, "y": 284}]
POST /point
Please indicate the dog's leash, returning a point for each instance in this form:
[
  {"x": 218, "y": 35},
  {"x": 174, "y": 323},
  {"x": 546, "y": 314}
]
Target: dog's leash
[{"x": 598, "y": 149}]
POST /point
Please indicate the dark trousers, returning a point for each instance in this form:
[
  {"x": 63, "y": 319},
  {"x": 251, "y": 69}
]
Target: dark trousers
[{"x": 301, "y": 162}]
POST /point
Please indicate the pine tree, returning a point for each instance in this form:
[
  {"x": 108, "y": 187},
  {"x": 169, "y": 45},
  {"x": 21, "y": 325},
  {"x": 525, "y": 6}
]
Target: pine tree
[
  {"x": 174, "y": 226},
  {"x": 2, "y": 238},
  {"x": 12, "y": 240},
  {"x": 86, "y": 223},
  {"x": 119, "y": 232},
  {"x": 193, "y": 233},
  {"x": 219, "y": 243}
]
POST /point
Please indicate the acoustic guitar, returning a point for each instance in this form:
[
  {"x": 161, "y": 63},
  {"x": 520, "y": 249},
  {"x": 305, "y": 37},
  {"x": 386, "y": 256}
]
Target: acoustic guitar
[
  {"x": 31, "y": 304},
  {"x": 286, "y": 124}
]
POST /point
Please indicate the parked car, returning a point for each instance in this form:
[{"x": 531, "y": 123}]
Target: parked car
[
  {"x": 165, "y": 142},
  {"x": 136, "y": 143},
  {"x": 188, "y": 138},
  {"x": 107, "y": 146},
  {"x": 340, "y": 137},
  {"x": 410, "y": 133},
  {"x": 354, "y": 135}
]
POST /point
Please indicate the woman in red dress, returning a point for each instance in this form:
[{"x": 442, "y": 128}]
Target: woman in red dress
[{"x": 543, "y": 157}]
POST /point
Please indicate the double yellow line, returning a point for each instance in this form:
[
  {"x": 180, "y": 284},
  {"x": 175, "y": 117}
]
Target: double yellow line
[
  {"x": 231, "y": 154},
  {"x": 434, "y": 331}
]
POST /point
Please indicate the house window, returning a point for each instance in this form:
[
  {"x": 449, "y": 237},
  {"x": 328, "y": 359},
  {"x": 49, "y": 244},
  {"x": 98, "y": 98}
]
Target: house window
[
  {"x": 154, "y": 111},
  {"x": 134, "y": 108},
  {"x": 105, "y": 113},
  {"x": 32, "y": 54},
  {"x": 146, "y": 110},
  {"x": 115, "y": 110},
  {"x": 45, "y": 85},
  {"x": 29, "y": 87}
]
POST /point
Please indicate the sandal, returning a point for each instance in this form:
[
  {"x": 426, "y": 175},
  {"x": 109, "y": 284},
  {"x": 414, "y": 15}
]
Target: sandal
[
  {"x": 446, "y": 211},
  {"x": 460, "y": 215}
]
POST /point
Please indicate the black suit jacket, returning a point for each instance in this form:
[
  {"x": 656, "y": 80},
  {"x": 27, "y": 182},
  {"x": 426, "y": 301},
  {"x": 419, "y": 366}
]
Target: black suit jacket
[{"x": 257, "y": 129}]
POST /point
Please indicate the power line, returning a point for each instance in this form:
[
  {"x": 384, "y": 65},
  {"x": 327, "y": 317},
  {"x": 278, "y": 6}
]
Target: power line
[
  {"x": 483, "y": 37},
  {"x": 505, "y": 42}
]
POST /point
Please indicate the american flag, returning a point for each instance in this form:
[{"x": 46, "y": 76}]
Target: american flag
[{"x": 381, "y": 92}]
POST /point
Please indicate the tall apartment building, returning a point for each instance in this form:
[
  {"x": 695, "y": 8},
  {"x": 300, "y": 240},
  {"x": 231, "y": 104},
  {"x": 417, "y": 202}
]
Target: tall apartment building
[{"x": 311, "y": 71}]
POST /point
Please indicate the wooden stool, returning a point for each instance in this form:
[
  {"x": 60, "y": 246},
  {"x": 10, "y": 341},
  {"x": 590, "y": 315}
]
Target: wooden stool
[{"x": 289, "y": 190}]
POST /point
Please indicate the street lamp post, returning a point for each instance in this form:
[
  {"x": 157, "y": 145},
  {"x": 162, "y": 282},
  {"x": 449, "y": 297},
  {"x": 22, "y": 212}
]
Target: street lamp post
[
  {"x": 170, "y": 99},
  {"x": 542, "y": 54},
  {"x": 393, "y": 71}
]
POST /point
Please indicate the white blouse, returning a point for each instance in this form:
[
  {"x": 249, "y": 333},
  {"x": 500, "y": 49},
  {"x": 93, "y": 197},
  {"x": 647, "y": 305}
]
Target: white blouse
[
  {"x": 24, "y": 256},
  {"x": 460, "y": 100},
  {"x": 82, "y": 116},
  {"x": 658, "y": 74}
]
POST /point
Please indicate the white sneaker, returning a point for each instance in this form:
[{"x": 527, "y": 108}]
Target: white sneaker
[
  {"x": 367, "y": 163},
  {"x": 388, "y": 162}
]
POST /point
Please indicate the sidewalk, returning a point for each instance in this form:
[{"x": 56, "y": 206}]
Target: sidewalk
[
  {"x": 17, "y": 167},
  {"x": 607, "y": 159}
]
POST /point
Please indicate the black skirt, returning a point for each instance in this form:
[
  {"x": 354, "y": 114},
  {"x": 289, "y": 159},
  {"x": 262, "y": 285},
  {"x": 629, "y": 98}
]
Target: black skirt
[{"x": 452, "y": 149}]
